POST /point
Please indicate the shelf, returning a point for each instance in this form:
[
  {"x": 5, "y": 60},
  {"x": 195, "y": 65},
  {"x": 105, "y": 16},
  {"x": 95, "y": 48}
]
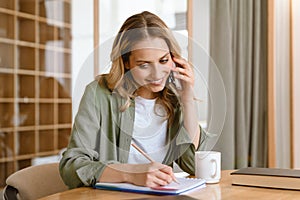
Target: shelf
[
  {"x": 63, "y": 39},
  {"x": 6, "y": 80},
  {"x": 7, "y": 100},
  {"x": 56, "y": 10},
  {"x": 65, "y": 117},
  {"x": 34, "y": 72},
  {"x": 64, "y": 88},
  {"x": 25, "y": 53},
  {"x": 35, "y": 17},
  {"x": 6, "y": 144},
  {"x": 26, "y": 115},
  {"x": 23, "y": 163},
  {"x": 27, "y": 6},
  {"x": 46, "y": 62},
  {"x": 35, "y": 79},
  {"x": 63, "y": 62},
  {"x": 7, "y": 159},
  {"x": 63, "y": 137},
  {"x": 6, "y": 115},
  {"x": 64, "y": 13},
  {"x": 36, "y": 127},
  {"x": 46, "y": 85},
  {"x": 6, "y": 169},
  {"x": 6, "y": 26},
  {"x": 26, "y": 86},
  {"x": 29, "y": 26},
  {"x": 7, "y": 4},
  {"x": 26, "y": 141},
  {"x": 52, "y": 47},
  {"x": 46, "y": 33},
  {"x": 46, "y": 141},
  {"x": 46, "y": 113},
  {"x": 6, "y": 61},
  {"x": 35, "y": 100},
  {"x": 42, "y": 9},
  {"x": 47, "y": 153}
]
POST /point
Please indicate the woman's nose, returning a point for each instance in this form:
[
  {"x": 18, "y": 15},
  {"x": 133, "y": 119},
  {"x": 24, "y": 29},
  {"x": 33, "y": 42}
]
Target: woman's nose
[{"x": 158, "y": 70}]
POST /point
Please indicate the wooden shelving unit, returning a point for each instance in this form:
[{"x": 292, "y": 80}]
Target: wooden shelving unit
[{"x": 35, "y": 81}]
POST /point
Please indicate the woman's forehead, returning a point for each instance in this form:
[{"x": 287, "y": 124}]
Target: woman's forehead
[
  {"x": 148, "y": 55},
  {"x": 151, "y": 43}
]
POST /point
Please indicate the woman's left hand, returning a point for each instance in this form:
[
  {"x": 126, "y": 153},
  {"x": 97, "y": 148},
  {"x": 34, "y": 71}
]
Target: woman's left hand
[{"x": 185, "y": 74}]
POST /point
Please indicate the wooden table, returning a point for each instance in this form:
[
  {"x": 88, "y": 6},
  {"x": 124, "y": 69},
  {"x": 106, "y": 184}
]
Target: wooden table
[{"x": 222, "y": 190}]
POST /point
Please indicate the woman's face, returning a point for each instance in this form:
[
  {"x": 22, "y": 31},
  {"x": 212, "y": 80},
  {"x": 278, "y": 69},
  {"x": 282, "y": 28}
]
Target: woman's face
[{"x": 150, "y": 64}]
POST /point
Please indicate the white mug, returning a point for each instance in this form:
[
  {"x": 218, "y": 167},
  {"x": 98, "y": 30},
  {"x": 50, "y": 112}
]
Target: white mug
[{"x": 208, "y": 166}]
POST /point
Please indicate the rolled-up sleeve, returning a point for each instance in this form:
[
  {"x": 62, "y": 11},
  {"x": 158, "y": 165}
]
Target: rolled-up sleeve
[
  {"x": 186, "y": 150},
  {"x": 79, "y": 167},
  {"x": 80, "y": 164}
]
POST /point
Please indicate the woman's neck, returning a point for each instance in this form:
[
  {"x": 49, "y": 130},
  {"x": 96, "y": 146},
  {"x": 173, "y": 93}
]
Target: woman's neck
[{"x": 146, "y": 94}]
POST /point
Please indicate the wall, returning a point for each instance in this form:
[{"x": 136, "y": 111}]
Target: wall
[
  {"x": 82, "y": 48},
  {"x": 200, "y": 51},
  {"x": 296, "y": 82},
  {"x": 282, "y": 83},
  {"x": 282, "y": 72}
]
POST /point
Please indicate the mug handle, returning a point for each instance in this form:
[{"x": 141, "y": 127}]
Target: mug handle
[{"x": 214, "y": 163}]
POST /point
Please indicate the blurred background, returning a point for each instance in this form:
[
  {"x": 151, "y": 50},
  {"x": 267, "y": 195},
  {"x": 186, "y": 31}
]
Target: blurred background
[{"x": 244, "y": 54}]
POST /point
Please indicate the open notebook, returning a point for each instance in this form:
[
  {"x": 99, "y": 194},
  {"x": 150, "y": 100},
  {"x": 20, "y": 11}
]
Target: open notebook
[{"x": 173, "y": 188}]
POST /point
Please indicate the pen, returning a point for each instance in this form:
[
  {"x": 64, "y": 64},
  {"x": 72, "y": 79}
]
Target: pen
[{"x": 149, "y": 158}]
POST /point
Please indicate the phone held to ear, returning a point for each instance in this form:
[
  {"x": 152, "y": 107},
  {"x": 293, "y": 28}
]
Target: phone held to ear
[{"x": 175, "y": 81}]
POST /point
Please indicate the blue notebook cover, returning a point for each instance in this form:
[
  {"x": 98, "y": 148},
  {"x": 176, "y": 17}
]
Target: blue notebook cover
[{"x": 185, "y": 184}]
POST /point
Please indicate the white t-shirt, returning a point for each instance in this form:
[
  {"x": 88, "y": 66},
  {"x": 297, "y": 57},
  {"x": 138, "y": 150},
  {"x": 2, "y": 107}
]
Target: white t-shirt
[{"x": 149, "y": 131}]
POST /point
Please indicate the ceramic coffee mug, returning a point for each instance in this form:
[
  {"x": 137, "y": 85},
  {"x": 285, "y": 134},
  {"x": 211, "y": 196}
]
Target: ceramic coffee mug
[{"x": 208, "y": 166}]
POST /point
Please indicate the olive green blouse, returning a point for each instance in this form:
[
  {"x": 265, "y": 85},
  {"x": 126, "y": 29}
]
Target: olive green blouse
[{"x": 101, "y": 135}]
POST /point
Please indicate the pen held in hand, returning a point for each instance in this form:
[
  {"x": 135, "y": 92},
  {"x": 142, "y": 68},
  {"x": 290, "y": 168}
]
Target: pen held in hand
[
  {"x": 149, "y": 158},
  {"x": 142, "y": 152}
]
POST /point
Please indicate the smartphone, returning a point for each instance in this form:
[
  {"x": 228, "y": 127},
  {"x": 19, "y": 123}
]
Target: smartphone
[{"x": 175, "y": 81}]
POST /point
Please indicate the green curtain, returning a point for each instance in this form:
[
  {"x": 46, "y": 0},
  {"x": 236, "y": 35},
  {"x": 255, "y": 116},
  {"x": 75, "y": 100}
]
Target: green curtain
[{"x": 238, "y": 46}]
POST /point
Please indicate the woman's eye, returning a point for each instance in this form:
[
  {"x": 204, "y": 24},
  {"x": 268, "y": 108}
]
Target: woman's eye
[
  {"x": 164, "y": 61},
  {"x": 143, "y": 66}
]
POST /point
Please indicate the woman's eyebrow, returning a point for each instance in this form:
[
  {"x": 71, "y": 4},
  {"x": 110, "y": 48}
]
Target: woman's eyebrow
[
  {"x": 165, "y": 55},
  {"x": 147, "y": 61},
  {"x": 143, "y": 61}
]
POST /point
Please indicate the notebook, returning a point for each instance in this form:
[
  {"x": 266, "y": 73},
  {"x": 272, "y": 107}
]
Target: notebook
[
  {"x": 173, "y": 188},
  {"x": 267, "y": 177}
]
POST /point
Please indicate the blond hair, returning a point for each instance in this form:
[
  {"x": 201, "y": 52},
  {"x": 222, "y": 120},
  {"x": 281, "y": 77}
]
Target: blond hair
[{"x": 134, "y": 29}]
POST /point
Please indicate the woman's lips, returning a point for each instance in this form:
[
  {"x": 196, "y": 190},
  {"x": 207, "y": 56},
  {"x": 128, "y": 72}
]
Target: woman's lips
[{"x": 156, "y": 82}]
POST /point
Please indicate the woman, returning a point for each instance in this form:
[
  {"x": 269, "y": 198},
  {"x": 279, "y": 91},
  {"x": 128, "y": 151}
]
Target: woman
[{"x": 137, "y": 102}]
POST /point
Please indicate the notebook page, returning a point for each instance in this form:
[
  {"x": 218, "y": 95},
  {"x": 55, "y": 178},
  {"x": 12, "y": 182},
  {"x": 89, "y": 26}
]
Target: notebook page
[{"x": 185, "y": 184}]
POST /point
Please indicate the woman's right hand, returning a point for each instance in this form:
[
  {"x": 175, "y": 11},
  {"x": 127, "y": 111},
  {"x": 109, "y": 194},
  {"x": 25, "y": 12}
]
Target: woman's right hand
[{"x": 152, "y": 174}]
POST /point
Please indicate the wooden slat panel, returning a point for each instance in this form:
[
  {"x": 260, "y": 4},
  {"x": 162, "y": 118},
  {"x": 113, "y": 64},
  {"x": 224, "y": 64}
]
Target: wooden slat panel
[
  {"x": 271, "y": 84},
  {"x": 96, "y": 37},
  {"x": 190, "y": 28},
  {"x": 291, "y": 87}
]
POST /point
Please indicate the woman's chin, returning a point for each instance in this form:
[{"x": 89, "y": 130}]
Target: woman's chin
[{"x": 156, "y": 88}]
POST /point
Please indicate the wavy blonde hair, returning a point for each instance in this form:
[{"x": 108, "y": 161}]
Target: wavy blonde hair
[{"x": 134, "y": 29}]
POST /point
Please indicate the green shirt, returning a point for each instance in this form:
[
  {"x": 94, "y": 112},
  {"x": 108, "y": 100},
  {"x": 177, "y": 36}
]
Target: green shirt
[{"x": 101, "y": 135}]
